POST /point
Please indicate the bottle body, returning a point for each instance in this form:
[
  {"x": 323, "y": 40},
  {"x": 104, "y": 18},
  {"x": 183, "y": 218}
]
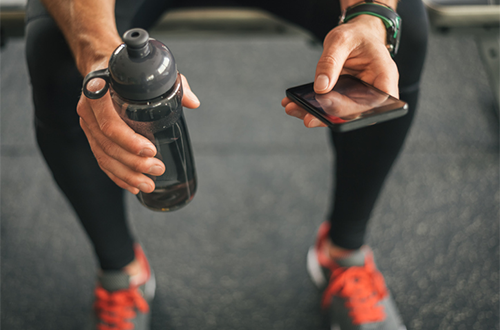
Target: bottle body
[{"x": 162, "y": 121}]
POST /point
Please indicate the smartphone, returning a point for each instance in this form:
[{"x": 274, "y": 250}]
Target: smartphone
[{"x": 350, "y": 105}]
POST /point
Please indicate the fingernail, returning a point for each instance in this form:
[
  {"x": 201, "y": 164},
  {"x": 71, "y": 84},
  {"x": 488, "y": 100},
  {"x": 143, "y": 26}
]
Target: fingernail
[
  {"x": 147, "y": 153},
  {"x": 195, "y": 97},
  {"x": 321, "y": 82},
  {"x": 96, "y": 85},
  {"x": 155, "y": 170},
  {"x": 144, "y": 187},
  {"x": 192, "y": 95},
  {"x": 314, "y": 122}
]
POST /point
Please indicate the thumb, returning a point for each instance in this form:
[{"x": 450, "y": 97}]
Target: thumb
[
  {"x": 329, "y": 67},
  {"x": 189, "y": 100}
]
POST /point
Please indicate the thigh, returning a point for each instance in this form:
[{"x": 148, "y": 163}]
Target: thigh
[
  {"x": 56, "y": 82},
  {"x": 315, "y": 16},
  {"x": 413, "y": 47}
]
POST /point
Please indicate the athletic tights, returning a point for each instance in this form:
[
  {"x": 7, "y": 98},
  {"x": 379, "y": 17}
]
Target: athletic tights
[{"x": 363, "y": 157}]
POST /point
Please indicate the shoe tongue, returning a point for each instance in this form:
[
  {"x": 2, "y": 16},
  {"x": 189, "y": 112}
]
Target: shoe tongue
[
  {"x": 356, "y": 258},
  {"x": 114, "y": 280}
]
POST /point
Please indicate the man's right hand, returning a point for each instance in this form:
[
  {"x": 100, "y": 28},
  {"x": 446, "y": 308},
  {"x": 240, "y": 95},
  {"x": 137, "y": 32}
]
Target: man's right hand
[
  {"x": 90, "y": 30},
  {"x": 122, "y": 154}
]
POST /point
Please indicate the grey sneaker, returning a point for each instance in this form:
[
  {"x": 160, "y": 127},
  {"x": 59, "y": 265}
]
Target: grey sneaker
[
  {"x": 355, "y": 293},
  {"x": 118, "y": 304}
]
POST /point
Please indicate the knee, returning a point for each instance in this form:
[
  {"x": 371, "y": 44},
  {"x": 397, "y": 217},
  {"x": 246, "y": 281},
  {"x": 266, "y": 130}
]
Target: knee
[
  {"x": 55, "y": 81},
  {"x": 46, "y": 48}
]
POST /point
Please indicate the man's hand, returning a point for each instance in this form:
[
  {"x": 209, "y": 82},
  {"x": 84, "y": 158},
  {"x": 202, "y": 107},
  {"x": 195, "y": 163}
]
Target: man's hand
[
  {"x": 121, "y": 153},
  {"x": 90, "y": 30},
  {"x": 357, "y": 47}
]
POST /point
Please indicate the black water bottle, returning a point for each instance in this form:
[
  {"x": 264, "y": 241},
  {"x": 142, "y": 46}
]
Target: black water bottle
[{"x": 146, "y": 90}]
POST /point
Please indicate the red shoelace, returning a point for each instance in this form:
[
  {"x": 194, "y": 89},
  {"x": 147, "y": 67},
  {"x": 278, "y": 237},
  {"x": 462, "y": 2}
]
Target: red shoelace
[
  {"x": 363, "y": 287},
  {"x": 116, "y": 308}
]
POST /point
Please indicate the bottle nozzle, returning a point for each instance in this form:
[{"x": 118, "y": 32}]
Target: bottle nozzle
[{"x": 137, "y": 41}]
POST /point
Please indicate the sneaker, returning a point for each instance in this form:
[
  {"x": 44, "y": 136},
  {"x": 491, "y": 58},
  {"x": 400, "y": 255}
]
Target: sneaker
[
  {"x": 121, "y": 305},
  {"x": 354, "y": 293}
]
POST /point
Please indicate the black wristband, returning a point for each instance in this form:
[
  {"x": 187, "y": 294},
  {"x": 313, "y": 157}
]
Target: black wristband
[{"x": 389, "y": 17}]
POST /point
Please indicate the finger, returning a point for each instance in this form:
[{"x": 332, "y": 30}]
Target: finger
[
  {"x": 294, "y": 110},
  {"x": 189, "y": 99},
  {"x": 311, "y": 121},
  {"x": 121, "y": 183},
  {"x": 123, "y": 173},
  {"x": 149, "y": 165},
  {"x": 388, "y": 81},
  {"x": 380, "y": 70},
  {"x": 118, "y": 170},
  {"x": 285, "y": 101},
  {"x": 331, "y": 63},
  {"x": 100, "y": 115}
]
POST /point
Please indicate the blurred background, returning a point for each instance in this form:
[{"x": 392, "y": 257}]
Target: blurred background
[{"x": 235, "y": 257}]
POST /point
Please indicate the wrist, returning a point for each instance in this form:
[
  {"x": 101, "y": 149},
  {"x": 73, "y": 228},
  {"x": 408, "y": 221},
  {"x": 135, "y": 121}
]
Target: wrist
[
  {"x": 371, "y": 24},
  {"x": 379, "y": 10},
  {"x": 94, "y": 55}
]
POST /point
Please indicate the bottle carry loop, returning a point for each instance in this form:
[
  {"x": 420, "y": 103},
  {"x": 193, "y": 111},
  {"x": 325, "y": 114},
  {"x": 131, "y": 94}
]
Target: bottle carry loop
[{"x": 99, "y": 74}]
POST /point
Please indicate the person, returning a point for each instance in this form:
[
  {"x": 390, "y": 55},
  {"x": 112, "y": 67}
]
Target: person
[{"x": 94, "y": 156}]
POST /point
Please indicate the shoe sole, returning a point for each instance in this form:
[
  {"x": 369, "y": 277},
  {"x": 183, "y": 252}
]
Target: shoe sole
[
  {"x": 150, "y": 288},
  {"x": 149, "y": 294},
  {"x": 314, "y": 269}
]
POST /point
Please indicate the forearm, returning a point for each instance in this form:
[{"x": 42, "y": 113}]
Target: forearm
[{"x": 89, "y": 29}]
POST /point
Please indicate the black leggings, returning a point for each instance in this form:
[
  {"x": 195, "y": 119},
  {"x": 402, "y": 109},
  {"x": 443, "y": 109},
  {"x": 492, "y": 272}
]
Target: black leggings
[{"x": 363, "y": 157}]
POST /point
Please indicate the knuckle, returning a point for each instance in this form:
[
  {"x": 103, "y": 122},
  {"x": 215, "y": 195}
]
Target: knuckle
[
  {"x": 107, "y": 147},
  {"x": 106, "y": 128},
  {"x": 139, "y": 165},
  {"x": 130, "y": 179},
  {"x": 292, "y": 111},
  {"x": 82, "y": 123},
  {"x": 328, "y": 59},
  {"x": 339, "y": 35},
  {"x": 116, "y": 180},
  {"x": 102, "y": 161},
  {"x": 80, "y": 109},
  {"x": 338, "y": 41},
  {"x": 121, "y": 184}
]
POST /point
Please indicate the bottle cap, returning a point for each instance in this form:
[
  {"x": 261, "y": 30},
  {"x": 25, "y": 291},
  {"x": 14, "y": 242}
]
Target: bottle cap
[{"x": 141, "y": 68}]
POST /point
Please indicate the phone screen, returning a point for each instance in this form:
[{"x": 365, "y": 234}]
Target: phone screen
[{"x": 350, "y": 105}]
